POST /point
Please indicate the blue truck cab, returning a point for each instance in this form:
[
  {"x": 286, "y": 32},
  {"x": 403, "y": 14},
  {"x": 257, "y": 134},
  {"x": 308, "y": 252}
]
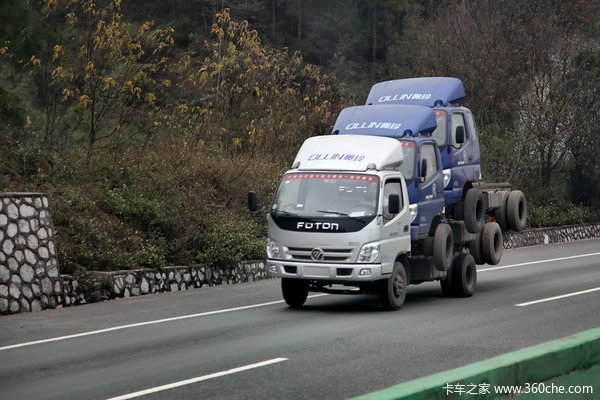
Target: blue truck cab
[
  {"x": 455, "y": 134},
  {"x": 422, "y": 166}
]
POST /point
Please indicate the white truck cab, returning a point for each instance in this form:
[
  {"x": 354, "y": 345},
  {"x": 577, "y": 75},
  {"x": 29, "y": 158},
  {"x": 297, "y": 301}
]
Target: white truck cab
[{"x": 341, "y": 218}]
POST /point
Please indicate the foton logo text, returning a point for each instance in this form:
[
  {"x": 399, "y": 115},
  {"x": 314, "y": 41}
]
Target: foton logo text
[{"x": 318, "y": 226}]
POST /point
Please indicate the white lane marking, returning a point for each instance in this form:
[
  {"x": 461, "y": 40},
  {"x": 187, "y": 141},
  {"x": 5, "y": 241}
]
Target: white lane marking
[
  {"x": 158, "y": 321},
  {"x": 557, "y": 297},
  {"x": 198, "y": 379},
  {"x": 538, "y": 262}
]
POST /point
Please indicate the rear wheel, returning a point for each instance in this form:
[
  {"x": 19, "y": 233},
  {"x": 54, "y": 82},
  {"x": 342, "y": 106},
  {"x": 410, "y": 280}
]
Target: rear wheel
[
  {"x": 516, "y": 210},
  {"x": 462, "y": 277},
  {"x": 294, "y": 291},
  {"x": 476, "y": 251},
  {"x": 443, "y": 247},
  {"x": 492, "y": 243},
  {"x": 393, "y": 290},
  {"x": 474, "y": 211}
]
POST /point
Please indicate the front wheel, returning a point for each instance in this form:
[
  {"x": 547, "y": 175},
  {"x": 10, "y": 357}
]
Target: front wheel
[
  {"x": 393, "y": 290},
  {"x": 294, "y": 291},
  {"x": 462, "y": 277}
]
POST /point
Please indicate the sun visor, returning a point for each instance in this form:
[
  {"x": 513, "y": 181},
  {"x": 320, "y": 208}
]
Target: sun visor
[
  {"x": 429, "y": 92},
  {"x": 348, "y": 153},
  {"x": 390, "y": 120}
]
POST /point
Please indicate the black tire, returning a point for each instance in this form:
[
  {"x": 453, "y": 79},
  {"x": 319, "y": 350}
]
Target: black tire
[
  {"x": 462, "y": 277},
  {"x": 294, "y": 291},
  {"x": 500, "y": 213},
  {"x": 474, "y": 211},
  {"x": 516, "y": 210},
  {"x": 492, "y": 243},
  {"x": 475, "y": 249},
  {"x": 445, "y": 285},
  {"x": 443, "y": 247},
  {"x": 392, "y": 291}
]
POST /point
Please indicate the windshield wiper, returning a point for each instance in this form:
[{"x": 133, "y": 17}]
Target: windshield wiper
[
  {"x": 333, "y": 212},
  {"x": 283, "y": 212}
]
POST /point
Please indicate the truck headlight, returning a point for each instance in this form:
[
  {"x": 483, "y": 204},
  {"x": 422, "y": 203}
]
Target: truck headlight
[
  {"x": 273, "y": 250},
  {"x": 368, "y": 253},
  {"x": 447, "y": 177},
  {"x": 413, "y": 209}
]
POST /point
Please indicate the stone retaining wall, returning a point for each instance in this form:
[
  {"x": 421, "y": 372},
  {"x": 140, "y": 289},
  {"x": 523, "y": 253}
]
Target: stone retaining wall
[
  {"x": 29, "y": 274},
  {"x": 539, "y": 236},
  {"x": 97, "y": 286}
]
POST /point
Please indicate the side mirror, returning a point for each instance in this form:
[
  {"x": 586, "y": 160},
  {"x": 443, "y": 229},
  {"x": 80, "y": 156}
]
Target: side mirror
[
  {"x": 252, "y": 201},
  {"x": 394, "y": 204},
  {"x": 423, "y": 175},
  {"x": 460, "y": 134}
]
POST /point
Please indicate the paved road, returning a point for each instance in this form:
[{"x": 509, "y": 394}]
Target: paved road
[{"x": 336, "y": 347}]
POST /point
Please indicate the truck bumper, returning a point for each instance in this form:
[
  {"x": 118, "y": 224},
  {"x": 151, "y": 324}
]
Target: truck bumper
[{"x": 325, "y": 272}]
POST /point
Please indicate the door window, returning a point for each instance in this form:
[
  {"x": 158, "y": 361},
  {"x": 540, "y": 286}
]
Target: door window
[{"x": 392, "y": 186}]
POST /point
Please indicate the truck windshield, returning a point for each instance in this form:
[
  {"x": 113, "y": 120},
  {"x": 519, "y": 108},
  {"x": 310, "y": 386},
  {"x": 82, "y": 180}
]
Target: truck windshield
[
  {"x": 408, "y": 165},
  {"x": 327, "y": 195},
  {"x": 439, "y": 134}
]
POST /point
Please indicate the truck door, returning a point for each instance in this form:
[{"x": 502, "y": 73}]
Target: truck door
[
  {"x": 462, "y": 155},
  {"x": 431, "y": 187},
  {"x": 396, "y": 227}
]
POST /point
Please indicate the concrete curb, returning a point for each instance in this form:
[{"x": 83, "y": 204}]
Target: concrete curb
[{"x": 530, "y": 365}]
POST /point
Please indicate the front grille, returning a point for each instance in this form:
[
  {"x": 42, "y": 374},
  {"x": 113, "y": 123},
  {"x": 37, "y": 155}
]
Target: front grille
[{"x": 329, "y": 255}]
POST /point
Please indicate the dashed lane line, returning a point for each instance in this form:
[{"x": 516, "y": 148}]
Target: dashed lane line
[{"x": 197, "y": 379}]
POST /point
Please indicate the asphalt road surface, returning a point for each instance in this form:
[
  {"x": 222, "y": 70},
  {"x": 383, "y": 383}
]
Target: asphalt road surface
[{"x": 243, "y": 342}]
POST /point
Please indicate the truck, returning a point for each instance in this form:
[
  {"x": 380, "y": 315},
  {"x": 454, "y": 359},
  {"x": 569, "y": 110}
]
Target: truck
[
  {"x": 340, "y": 223},
  {"x": 374, "y": 207},
  {"x": 467, "y": 197}
]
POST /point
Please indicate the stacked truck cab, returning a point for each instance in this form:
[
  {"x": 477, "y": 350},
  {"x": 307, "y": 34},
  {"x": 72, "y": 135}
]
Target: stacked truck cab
[{"x": 393, "y": 197}]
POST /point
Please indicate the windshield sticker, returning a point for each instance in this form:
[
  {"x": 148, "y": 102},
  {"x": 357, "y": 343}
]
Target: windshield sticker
[
  {"x": 336, "y": 156},
  {"x": 371, "y": 125},
  {"x": 405, "y": 96}
]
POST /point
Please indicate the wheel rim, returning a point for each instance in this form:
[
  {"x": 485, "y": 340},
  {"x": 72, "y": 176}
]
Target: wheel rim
[{"x": 398, "y": 287}]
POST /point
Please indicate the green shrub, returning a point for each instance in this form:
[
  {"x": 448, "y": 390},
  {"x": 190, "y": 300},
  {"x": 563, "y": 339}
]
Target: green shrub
[
  {"x": 229, "y": 239},
  {"x": 559, "y": 214}
]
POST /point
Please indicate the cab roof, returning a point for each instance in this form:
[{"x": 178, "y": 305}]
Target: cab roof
[
  {"x": 429, "y": 92},
  {"x": 348, "y": 153},
  {"x": 389, "y": 120}
]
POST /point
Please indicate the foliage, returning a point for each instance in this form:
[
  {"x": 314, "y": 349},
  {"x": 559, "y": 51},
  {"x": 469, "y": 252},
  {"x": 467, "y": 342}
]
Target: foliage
[
  {"x": 107, "y": 68},
  {"x": 170, "y": 205},
  {"x": 230, "y": 238},
  {"x": 253, "y": 98},
  {"x": 559, "y": 214}
]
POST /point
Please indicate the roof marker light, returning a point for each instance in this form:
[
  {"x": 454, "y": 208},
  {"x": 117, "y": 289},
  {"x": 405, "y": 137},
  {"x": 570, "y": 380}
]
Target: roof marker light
[
  {"x": 296, "y": 165},
  {"x": 371, "y": 166}
]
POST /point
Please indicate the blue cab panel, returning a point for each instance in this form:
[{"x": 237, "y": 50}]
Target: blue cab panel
[
  {"x": 428, "y": 193},
  {"x": 392, "y": 120},
  {"x": 429, "y": 92}
]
